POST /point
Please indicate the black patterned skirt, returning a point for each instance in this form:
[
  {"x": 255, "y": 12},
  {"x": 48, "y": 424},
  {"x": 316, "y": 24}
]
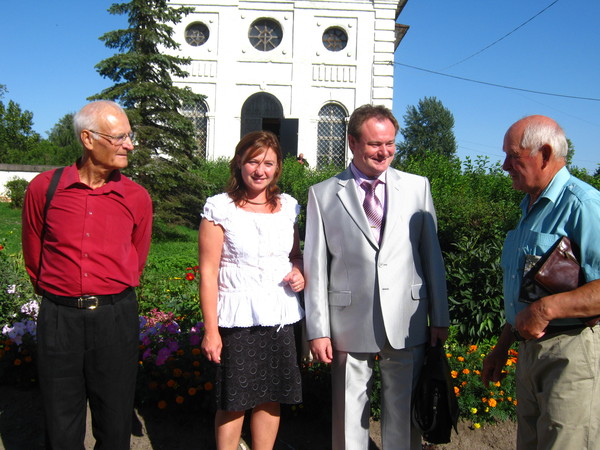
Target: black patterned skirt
[{"x": 258, "y": 365}]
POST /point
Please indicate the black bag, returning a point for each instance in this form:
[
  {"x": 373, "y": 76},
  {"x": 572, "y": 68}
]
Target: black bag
[{"x": 435, "y": 407}]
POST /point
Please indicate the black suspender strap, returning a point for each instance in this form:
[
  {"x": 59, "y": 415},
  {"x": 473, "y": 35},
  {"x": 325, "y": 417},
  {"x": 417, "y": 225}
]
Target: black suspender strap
[
  {"x": 51, "y": 190},
  {"x": 49, "y": 194}
]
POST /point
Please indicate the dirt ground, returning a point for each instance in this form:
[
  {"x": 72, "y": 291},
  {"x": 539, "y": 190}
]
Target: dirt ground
[{"x": 21, "y": 428}]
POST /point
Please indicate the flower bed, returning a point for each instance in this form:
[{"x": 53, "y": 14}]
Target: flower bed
[{"x": 173, "y": 374}]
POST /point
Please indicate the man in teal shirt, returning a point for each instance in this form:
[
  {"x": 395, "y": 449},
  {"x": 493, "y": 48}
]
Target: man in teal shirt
[{"x": 558, "y": 371}]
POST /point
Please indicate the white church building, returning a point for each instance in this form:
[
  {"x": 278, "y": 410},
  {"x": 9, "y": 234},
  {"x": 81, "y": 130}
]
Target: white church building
[{"x": 297, "y": 68}]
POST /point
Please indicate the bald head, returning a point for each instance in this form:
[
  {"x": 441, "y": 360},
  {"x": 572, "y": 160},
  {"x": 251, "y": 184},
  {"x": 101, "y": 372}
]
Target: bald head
[
  {"x": 94, "y": 115},
  {"x": 534, "y": 132}
]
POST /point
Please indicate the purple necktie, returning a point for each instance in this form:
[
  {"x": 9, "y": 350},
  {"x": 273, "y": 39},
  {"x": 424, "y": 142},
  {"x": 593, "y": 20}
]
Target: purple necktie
[{"x": 372, "y": 207}]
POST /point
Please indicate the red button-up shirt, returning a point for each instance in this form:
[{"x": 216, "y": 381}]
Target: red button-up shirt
[{"x": 96, "y": 240}]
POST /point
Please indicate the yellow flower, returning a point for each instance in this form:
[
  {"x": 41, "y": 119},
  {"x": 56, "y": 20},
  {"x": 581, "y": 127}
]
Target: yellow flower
[
  {"x": 477, "y": 425},
  {"x": 454, "y": 374},
  {"x": 487, "y": 410},
  {"x": 473, "y": 410}
]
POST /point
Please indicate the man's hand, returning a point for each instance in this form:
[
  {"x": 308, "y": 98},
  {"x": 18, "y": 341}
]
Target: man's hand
[
  {"x": 492, "y": 367},
  {"x": 532, "y": 321},
  {"x": 321, "y": 349},
  {"x": 438, "y": 334},
  {"x": 494, "y": 362}
]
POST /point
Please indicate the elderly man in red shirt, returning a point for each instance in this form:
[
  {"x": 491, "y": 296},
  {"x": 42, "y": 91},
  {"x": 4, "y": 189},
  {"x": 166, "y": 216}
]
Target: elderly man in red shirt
[{"x": 85, "y": 252}]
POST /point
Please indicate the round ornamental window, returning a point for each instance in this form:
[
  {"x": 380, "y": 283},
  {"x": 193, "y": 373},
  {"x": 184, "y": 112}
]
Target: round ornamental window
[
  {"x": 265, "y": 34},
  {"x": 196, "y": 34},
  {"x": 335, "y": 39}
]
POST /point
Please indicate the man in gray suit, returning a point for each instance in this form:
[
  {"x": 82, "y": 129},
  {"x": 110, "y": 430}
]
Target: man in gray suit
[{"x": 375, "y": 282}]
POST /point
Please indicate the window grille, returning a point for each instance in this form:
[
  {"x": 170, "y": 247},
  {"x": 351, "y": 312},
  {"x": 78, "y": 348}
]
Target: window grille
[
  {"x": 197, "y": 113},
  {"x": 331, "y": 148}
]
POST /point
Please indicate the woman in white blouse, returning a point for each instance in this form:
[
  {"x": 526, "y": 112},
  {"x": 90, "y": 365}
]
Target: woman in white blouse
[{"x": 250, "y": 272}]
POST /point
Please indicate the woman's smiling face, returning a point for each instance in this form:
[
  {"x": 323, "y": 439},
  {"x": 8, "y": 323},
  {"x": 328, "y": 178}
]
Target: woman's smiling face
[{"x": 258, "y": 171}]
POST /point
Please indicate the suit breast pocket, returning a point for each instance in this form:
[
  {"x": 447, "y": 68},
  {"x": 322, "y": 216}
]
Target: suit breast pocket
[
  {"x": 340, "y": 298},
  {"x": 418, "y": 291}
]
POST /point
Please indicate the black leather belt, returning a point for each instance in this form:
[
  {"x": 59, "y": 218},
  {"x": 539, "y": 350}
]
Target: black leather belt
[{"x": 87, "y": 301}]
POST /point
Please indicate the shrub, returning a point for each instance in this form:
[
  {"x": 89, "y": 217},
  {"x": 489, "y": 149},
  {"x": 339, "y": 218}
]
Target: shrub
[
  {"x": 16, "y": 191},
  {"x": 15, "y": 287}
]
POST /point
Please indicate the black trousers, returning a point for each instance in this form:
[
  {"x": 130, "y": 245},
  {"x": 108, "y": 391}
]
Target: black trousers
[{"x": 88, "y": 355}]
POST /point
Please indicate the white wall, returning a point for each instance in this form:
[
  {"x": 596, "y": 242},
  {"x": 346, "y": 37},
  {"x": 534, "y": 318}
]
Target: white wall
[
  {"x": 301, "y": 73},
  {"x": 9, "y": 172}
]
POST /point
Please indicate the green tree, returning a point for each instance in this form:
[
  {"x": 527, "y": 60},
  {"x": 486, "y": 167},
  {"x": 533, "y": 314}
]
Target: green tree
[
  {"x": 17, "y": 138},
  {"x": 62, "y": 137},
  {"x": 165, "y": 143},
  {"x": 428, "y": 128}
]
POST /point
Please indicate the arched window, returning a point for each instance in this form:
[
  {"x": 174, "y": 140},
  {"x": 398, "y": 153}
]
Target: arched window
[
  {"x": 331, "y": 132},
  {"x": 197, "y": 112}
]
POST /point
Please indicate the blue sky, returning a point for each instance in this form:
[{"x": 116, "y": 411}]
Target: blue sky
[{"x": 50, "y": 49}]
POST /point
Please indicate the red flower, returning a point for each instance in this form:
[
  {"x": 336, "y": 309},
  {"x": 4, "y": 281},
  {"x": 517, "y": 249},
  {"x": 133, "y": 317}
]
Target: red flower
[{"x": 190, "y": 276}]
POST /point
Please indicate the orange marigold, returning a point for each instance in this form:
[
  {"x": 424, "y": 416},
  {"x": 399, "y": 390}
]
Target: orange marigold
[
  {"x": 171, "y": 383},
  {"x": 180, "y": 352},
  {"x": 472, "y": 348},
  {"x": 177, "y": 372},
  {"x": 454, "y": 374},
  {"x": 196, "y": 364},
  {"x": 460, "y": 358},
  {"x": 162, "y": 404},
  {"x": 179, "y": 399},
  {"x": 208, "y": 386},
  {"x": 196, "y": 351},
  {"x": 492, "y": 402},
  {"x": 192, "y": 391},
  {"x": 466, "y": 371},
  {"x": 456, "y": 390},
  {"x": 17, "y": 362}
]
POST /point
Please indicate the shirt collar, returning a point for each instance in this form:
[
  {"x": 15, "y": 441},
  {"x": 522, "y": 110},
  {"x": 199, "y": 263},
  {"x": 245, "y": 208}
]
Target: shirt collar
[
  {"x": 554, "y": 188},
  {"x": 359, "y": 177},
  {"x": 71, "y": 177}
]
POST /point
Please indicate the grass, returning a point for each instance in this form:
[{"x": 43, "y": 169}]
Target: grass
[{"x": 10, "y": 228}]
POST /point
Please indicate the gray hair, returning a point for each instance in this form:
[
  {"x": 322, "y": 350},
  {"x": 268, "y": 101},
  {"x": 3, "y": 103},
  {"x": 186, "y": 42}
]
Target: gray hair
[
  {"x": 538, "y": 133},
  {"x": 87, "y": 118}
]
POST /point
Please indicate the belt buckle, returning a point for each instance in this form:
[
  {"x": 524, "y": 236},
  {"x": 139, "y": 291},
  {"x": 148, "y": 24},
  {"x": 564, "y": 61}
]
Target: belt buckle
[{"x": 87, "y": 298}]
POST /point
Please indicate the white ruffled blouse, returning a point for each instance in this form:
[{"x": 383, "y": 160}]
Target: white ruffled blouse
[{"x": 254, "y": 261}]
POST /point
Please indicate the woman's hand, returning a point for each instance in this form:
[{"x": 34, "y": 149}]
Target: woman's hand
[
  {"x": 295, "y": 280},
  {"x": 211, "y": 346}
]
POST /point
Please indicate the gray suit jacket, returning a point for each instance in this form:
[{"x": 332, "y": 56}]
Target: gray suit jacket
[{"x": 359, "y": 292}]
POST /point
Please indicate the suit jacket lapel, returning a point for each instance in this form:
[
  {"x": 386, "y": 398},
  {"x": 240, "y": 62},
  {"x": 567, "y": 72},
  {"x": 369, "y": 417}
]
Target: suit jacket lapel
[
  {"x": 394, "y": 212},
  {"x": 349, "y": 198}
]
